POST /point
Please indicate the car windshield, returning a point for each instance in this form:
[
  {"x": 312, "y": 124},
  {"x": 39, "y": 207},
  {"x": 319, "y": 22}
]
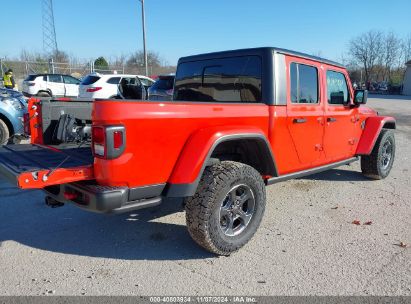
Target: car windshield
[
  {"x": 165, "y": 83},
  {"x": 90, "y": 79}
]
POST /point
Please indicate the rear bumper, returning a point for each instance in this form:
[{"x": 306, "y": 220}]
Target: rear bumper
[{"x": 106, "y": 199}]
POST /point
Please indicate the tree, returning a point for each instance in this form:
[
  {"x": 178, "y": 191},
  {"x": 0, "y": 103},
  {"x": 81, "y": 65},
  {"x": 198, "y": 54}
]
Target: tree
[
  {"x": 390, "y": 53},
  {"x": 101, "y": 63},
  {"x": 366, "y": 50},
  {"x": 137, "y": 59},
  {"x": 406, "y": 48}
]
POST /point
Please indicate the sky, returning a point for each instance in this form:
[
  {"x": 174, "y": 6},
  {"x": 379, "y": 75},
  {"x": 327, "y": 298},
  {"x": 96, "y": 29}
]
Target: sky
[{"x": 88, "y": 29}]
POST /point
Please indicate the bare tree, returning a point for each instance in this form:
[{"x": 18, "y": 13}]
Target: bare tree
[
  {"x": 406, "y": 48},
  {"x": 137, "y": 59},
  {"x": 390, "y": 53},
  {"x": 366, "y": 50}
]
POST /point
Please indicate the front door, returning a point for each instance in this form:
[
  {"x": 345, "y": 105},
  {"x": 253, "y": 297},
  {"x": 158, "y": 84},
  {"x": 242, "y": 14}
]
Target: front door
[
  {"x": 340, "y": 118},
  {"x": 305, "y": 112}
]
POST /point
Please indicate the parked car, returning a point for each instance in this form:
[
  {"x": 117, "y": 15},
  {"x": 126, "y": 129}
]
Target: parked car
[
  {"x": 99, "y": 86},
  {"x": 239, "y": 120},
  {"x": 13, "y": 106},
  {"x": 162, "y": 89},
  {"x": 47, "y": 85}
]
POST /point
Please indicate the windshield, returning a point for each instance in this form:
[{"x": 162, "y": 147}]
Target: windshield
[{"x": 166, "y": 83}]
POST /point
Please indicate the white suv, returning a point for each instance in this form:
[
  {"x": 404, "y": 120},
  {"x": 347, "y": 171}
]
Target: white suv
[
  {"x": 98, "y": 86},
  {"x": 47, "y": 85}
]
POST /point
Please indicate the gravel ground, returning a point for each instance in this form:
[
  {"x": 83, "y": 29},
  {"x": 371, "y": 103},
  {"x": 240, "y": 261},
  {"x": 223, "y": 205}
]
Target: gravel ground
[{"x": 307, "y": 244}]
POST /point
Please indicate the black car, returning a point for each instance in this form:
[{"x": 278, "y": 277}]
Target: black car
[{"x": 162, "y": 89}]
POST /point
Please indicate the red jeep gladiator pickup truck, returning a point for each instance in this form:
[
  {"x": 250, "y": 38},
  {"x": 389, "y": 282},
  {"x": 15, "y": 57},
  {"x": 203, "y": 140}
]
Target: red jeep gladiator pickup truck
[{"x": 239, "y": 120}]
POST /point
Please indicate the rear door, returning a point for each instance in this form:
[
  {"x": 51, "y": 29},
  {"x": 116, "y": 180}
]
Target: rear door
[
  {"x": 56, "y": 85},
  {"x": 305, "y": 112},
  {"x": 340, "y": 118},
  {"x": 71, "y": 85}
]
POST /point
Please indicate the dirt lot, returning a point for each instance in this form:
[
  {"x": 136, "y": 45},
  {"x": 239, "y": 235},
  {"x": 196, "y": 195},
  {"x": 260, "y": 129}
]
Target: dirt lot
[{"x": 307, "y": 243}]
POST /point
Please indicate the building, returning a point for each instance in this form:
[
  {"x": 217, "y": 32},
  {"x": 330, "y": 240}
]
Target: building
[{"x": 407, "y": 80}]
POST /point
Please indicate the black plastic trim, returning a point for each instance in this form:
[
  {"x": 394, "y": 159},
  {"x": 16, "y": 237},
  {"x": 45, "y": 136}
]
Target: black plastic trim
[
  {"x": 299, "y": 174},
  {"x": 104, "y": 199},
  {"x": 145, "y": 192}
]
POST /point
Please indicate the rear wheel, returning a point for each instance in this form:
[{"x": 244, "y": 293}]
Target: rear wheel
[
  {"x": 378, "y": 164},
  {"x": 227, "y": 208},
  {"x": 4, "y": 133}
]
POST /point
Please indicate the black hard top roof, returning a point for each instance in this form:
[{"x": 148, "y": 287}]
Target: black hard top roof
[{"x": 257, "y": 51}]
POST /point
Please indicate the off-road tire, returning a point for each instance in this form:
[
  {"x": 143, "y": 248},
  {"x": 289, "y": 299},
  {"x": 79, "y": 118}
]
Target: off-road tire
[
  {"x": 372, "y": 165},
  {"x": 43, "y": 94},
  {"x": 4, "y": 133},
  {"x": 203, "y": 209}
]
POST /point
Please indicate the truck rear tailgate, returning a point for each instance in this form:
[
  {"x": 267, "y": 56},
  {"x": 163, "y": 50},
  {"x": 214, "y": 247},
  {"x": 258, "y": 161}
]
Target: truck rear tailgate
[{"x": 32, "y": 166}]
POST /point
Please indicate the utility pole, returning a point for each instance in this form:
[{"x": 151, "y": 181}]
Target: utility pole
[
  {"x": 144, "y": 36},
  {"x": 49, "y": 30}
]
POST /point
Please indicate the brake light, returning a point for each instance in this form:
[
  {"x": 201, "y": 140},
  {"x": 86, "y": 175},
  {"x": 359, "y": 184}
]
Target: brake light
[
  {"x": 31, "y": 84},
  {"x": 95, "y": 89},
  {"x": 98, "y": 138},
  {"x": 26, "y": 124},
  {"x": 108, "y": 141},
  {"x": 117, "y": 139}
]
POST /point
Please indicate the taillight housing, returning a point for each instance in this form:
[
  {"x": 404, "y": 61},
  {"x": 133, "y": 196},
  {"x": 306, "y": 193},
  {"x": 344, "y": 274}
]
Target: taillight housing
[
  {"x": 108, "y": 142},
  {"x": 26, "y": 124},
  {"x": 94, "y": 89}
]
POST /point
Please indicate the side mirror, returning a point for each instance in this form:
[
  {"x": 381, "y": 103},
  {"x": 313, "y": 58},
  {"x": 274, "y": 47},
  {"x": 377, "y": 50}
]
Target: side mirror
[{"x": 360, "y": 97}]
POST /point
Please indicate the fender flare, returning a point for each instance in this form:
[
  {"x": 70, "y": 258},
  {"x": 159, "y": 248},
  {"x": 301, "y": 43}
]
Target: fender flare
[
  {"x": 197, "y": 152},
  {"x": 372, "y": 129}
]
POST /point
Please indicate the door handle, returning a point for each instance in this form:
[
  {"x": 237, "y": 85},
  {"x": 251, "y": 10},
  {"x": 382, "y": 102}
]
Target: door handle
[
  {"x": 299, "y": 120},
  {"x": 331, "y": 119}
]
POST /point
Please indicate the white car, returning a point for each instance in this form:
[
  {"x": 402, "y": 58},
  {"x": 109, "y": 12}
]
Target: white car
[
  {"x": 123, "y": 86},
  {"x": 47, "y": 85}
]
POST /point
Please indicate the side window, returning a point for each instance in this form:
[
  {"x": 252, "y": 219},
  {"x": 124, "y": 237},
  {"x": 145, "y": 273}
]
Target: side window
[
  {"x": 55, "y": 78},
  {"x": 230, "y": 79},
  {"x": 303, "y": 83},
  {"x": 70, "y": 80},
  {"x": 114, "y": 80},
  {"x": 337, "y": 90}
]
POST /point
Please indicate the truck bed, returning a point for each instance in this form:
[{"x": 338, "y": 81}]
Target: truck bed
[{"x": 36, "y": 166}]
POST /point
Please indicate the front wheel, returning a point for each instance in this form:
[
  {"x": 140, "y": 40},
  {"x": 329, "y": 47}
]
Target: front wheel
[
  {"x": 227, "y": 208},
  {"x": 378, "y": 164},
  {"x": 4, "y": 133}
]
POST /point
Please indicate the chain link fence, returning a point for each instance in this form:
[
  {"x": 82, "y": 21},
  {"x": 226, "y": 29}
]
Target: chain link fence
[{"x": 21, "y": 69}]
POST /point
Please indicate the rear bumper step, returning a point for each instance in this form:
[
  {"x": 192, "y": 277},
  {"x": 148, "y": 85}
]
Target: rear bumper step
[{"x": 102, "y": 199}]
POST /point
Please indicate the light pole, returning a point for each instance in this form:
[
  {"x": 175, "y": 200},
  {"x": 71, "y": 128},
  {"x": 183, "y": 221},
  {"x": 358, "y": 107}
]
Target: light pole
[{"x": 144, "y": 35}]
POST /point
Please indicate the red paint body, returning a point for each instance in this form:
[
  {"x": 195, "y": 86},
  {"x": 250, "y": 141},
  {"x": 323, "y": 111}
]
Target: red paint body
[{"x": 169, "y": 142}]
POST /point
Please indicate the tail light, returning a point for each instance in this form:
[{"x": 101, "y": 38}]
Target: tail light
[
  {"x": 26, "y": 124},
  {"x": 31, "y": 84},
  {"x": 95, "y": 89},
  {"x": 108, "y": 142}
]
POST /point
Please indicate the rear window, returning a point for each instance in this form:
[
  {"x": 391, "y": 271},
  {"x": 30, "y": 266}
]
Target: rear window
[
  {"x": 166, "y": 83},
  {"x": 113, "y": 80},
  {"x": 232, "y": 79},
  {"x": 55, "y": 78},
  {"x": 31, "y": 77},
  {"x": 90, "y": 79}
]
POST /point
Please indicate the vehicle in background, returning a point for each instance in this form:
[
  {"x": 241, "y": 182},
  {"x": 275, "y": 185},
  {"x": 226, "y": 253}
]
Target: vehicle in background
[
  {"x": 114, "y": 86},
  {"x": 162, "y": 89},
  {"x": 13, "y": 106},
  {"x": 48, "y": 85}
]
